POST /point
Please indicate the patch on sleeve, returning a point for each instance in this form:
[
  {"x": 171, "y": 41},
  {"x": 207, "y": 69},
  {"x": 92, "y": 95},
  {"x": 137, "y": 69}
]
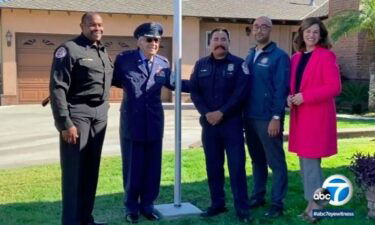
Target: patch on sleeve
[
  {"x": 245, "y": 68},
  {"x": 60, "y": 53}
]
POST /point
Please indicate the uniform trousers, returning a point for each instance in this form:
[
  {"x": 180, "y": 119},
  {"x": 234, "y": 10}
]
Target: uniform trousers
[
  {"x": 141, "y": 166},
  {"x": 226, "y": 137},
  {"x": 80, "y": 162}
]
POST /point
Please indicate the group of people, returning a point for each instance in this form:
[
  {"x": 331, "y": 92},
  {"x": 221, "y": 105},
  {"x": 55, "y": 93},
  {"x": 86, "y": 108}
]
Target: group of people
[{"x": 232, "y": 95}]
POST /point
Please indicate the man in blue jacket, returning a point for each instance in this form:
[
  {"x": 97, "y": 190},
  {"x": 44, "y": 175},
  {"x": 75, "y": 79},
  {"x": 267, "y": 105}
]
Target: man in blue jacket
[
  {"x": 142, "y": 73},
  {"x": 264, "y": 116},
  {"x": 219, "y": 84}
]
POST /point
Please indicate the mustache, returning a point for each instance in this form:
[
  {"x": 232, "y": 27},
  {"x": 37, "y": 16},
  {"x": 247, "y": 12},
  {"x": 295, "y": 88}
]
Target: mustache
[{"x": 220, "y": 46}]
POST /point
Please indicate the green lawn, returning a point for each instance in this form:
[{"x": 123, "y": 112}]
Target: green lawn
[
  {"x": 32, "y": 195},
  {"x": 342, "y": 123}
]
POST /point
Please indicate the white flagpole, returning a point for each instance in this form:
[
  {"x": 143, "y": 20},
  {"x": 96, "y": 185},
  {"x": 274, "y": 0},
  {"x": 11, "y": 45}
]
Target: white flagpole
[
  {"x": 177, "y": 55},
  {"x": 177, "y": 209}
]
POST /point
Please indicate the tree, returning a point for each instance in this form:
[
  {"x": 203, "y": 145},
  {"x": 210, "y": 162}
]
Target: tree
[{"x": 348, "y": 21}]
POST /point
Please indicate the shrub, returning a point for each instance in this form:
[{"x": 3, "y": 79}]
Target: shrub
[
  {"x": 354, "y": 96},
  {"x": 363, "y": 167}
]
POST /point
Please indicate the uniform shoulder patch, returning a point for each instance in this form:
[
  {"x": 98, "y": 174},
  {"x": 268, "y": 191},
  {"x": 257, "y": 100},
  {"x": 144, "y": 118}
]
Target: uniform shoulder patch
[
  {"x": 245, "y": 68},
  {"x": 60, "y": 53}
]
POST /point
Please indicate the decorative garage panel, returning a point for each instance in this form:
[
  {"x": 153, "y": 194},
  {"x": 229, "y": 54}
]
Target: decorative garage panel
[{"x": 34, "y": 58}]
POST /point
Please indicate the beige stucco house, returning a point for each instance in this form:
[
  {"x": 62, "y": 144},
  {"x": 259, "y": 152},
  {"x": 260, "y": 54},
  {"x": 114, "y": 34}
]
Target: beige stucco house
[{"x": 31, "y": 29}]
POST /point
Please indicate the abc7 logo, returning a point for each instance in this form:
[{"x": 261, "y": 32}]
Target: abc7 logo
[{"x": 337, "y": 190}]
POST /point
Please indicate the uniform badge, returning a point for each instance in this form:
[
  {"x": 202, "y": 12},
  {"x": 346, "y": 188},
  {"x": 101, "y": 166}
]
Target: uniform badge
[
  {"x": 60, "y": 53},
  {"x": 230, "y": 67},
  {"x": 245, "y": 69},
  {"x": 264, "y": 61},
  {"x": 87, "y": 59}
]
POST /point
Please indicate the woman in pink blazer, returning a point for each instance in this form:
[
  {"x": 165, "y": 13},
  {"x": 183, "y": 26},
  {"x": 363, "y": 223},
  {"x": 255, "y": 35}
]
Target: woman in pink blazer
[{"x": 315, "y": 81}]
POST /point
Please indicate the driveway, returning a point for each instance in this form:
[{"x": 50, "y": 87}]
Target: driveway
[{"x": 28, "y": 135}]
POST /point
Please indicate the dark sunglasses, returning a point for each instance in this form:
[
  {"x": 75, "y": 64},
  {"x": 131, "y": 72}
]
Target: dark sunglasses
[{"x": 149, "y": 40}]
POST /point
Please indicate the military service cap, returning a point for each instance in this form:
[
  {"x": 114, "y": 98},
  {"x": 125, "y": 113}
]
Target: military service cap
[{"x": 149, "y": 30}]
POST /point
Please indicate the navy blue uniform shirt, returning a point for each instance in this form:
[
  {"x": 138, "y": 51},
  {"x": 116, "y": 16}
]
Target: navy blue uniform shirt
[
  {"x": 219, "y": 85},
  {"x": 81, "y": 73}
]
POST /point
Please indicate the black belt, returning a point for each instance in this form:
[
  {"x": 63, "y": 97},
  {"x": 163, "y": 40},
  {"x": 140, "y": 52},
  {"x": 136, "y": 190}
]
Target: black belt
[{"x": 89, "y": 102}]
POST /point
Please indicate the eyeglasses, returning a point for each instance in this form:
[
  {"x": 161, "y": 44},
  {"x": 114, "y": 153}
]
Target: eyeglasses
[
  {"x": 262, "y": 27},
  {"x": 149, "y": 40}
]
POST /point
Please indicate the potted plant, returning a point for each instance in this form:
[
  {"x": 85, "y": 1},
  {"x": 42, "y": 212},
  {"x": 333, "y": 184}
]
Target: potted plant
[{"x": 363, "y": 167}]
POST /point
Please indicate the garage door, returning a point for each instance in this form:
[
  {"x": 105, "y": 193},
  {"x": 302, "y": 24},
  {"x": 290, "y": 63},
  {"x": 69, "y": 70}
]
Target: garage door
[{"x": 34, "y": 57}]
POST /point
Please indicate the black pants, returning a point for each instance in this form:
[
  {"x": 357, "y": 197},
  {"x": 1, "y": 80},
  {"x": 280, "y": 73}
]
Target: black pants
[
  {"x": 226, "y": 137},
  {"x": 80, "y": 163},
  {"x": 141, "y": 166},
  {"x": 266, "y": 151}
]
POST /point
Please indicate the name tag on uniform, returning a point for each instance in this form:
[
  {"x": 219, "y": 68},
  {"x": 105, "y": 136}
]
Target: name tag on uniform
[
  {"x": 204, "y": 72},
  {"x": 87, "y": 59}
]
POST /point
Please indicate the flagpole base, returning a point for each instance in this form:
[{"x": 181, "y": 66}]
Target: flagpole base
[{"x": 172, "y": 211}]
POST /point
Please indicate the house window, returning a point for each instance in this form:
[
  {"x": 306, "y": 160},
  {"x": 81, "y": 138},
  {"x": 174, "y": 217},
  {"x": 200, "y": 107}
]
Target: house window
[
  {"x": 208, "y": 38},
  {"x": 293, "y": 36}
]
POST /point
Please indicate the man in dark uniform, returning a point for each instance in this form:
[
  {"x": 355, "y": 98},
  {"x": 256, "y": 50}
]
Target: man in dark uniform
[
  {"x": 80, "y": 81},
  {"x": 218, "y": 87},
  {"x": 142, "y": 73}
]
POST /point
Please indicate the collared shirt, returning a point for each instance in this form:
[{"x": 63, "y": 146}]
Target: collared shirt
[
  {"x": 147, "y": 62},
  {"x": 219, "y": 85},
  {"x": 81, "y": 73},
  {"x": 258, "y": 51}
]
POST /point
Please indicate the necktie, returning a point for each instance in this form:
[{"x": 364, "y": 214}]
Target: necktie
[{"x": 148, "y": 66}]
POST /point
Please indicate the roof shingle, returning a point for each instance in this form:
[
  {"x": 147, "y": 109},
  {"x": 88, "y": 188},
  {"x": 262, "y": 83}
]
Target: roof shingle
[{"x": 238, "y": 9}]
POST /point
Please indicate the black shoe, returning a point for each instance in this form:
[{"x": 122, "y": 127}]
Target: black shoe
[
  {"x": 274, "y": 212},
  {"x": 254, "y": 203},
  {"x": 211, "y": 211},
  {"x": 132, "y": 218},
  {"x": 151, "y": 215},
  {"x": 244, "y": 216}
]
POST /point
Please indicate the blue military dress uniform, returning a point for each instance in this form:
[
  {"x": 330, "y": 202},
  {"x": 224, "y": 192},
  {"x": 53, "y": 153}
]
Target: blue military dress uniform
[
  {"x": 222, "y": 85},
  {"x": 142, "y": 125}
]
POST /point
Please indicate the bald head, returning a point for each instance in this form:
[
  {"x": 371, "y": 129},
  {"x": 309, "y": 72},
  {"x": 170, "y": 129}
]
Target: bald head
[
  {"x": 92, "y": 26},
  {"x": 264, "y": 20},
  {"x": 262, "y": 27},
  {"x": 88, "y": 15}
]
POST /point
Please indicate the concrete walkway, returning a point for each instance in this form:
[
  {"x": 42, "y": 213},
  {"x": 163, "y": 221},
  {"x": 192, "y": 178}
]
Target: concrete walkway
[{"x": 28, "y": 136}]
